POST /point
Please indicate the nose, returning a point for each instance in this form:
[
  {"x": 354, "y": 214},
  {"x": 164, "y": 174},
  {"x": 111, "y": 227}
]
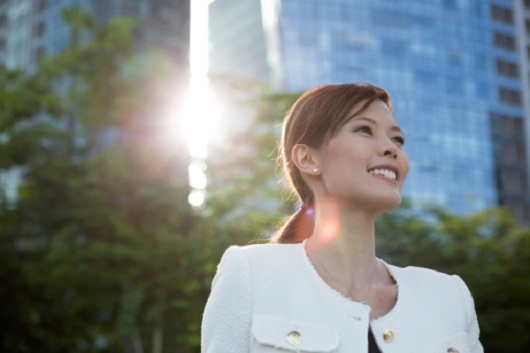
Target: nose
[{"x": 388, "y": 149}]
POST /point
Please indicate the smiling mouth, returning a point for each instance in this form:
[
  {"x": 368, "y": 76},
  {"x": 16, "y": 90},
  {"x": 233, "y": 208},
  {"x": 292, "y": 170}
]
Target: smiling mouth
[{"x": 387, "y": 173}]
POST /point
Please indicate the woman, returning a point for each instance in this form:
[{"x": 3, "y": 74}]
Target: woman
[{"x": 319, "y": 287}]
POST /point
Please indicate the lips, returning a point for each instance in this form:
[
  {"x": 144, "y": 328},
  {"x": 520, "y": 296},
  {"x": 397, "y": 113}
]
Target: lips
[{"x": 386, "y": 170}]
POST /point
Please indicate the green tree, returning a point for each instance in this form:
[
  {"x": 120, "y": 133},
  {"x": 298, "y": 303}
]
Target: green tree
[
  {"x": 22, "y": 99},
  {"x": 100, "y": 247}
]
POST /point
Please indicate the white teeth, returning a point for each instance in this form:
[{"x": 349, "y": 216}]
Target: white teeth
[{"x": 387, "y": 173}]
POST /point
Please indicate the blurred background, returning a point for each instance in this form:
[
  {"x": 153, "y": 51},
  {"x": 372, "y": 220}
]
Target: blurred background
[{"x": 138, "y": 141}]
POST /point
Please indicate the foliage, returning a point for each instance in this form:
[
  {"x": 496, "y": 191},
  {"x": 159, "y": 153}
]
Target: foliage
[{"x": 99, "y": 247}]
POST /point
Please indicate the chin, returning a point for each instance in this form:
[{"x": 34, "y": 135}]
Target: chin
[
  {"x": 388, "y": 204},
  {"x": 374, "y": 204},
  {"x": 393, "y": 207}
]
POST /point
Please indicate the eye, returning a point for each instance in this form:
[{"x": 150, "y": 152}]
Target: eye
[
  {"x": 400, "y": 140},
  {"x": 365, "y": 129}
]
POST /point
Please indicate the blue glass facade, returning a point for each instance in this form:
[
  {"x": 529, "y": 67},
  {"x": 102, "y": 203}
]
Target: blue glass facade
[{"x": 446, "y": 64}]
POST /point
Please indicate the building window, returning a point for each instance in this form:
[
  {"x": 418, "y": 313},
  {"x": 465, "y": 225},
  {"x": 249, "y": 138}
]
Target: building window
[
  {"x": 507, "y": 125},
  {"x": 3, "y": 20},
  {"x": 38, "y": 54},
  {"x": 507, "y": 68},
  {"x": 504, "y": 41},
  {"x": 450, "y": 4},
  {"x": 39, "y": 29},
  {"x": 501, "y": 14},
  {"x": 509, "y": 96},
  {"x": 518, "y": 125},
  {"x": 393, "y": 47},
  {"x": 520, "y": 152},
  {"x": 513, "y": 179},
  {"x": 41, "y": 5}
]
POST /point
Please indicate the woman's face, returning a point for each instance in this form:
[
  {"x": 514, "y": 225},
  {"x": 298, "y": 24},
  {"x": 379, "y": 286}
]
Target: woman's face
[{"x": 364, "y": 164}]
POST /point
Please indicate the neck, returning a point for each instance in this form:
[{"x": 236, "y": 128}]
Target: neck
[{"x": 343, "y": 243}]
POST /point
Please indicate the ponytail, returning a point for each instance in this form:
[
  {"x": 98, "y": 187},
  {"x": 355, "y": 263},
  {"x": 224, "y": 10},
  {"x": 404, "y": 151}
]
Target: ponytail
[{"x": 295, "y": 228}]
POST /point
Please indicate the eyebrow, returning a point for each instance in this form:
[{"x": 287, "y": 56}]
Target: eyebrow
[{"x": 370, "y": 120}]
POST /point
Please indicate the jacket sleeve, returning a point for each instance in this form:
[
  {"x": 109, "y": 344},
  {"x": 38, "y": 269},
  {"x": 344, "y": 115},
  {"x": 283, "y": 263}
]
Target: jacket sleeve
[
  {"x": 472, "y": 328},
  {"x": 227, "y": 315}
]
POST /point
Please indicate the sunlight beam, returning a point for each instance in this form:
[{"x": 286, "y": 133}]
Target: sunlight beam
[{"x": 200, "y": 113}]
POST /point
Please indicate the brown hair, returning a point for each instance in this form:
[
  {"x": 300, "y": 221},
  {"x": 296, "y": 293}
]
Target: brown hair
[{"x": 312, "y": 120}]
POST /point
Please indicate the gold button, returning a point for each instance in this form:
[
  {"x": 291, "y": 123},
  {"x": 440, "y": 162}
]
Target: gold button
[
  {"x": 388, "y": 335},
  {"x": 294, "y": 338},
  {"x": 452, "y": 350}
]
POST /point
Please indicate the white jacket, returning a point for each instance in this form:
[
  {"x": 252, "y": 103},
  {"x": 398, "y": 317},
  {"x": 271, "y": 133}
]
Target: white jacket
[{"x": 269, "y": 298}]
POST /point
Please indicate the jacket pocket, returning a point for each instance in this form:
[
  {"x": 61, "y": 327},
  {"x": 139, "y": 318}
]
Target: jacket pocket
[
  {"x": 271, "y": 332},
  {"x": 453, "y": 344}
]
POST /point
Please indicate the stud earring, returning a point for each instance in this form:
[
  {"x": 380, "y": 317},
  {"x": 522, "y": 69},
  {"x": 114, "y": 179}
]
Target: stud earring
[{"x": 315, "y": 170}]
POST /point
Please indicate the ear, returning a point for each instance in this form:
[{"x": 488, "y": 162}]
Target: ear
[{"x": 306, "y": 159}]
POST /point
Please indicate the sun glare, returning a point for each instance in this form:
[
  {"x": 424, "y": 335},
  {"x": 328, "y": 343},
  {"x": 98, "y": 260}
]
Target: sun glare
[
  {"x": 200, "y": 111},
  {"x": 197, "y": 175}
]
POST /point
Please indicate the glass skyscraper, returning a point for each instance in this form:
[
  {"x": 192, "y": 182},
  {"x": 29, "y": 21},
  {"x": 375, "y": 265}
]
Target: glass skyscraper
[
  {"x": 450, "y": 66},
  {"x": 522, "y": 19}
]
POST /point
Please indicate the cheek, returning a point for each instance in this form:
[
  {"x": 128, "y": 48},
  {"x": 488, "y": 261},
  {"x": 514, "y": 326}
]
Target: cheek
[{"x": 404, "y": 168}]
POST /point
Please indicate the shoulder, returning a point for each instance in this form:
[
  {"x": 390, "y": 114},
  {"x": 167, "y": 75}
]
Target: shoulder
[
  {"x": 262, "y": 252},
  {"x": 430, "y": 285},
  {"x": 264, "y": 263},
  {"x": 415, "y": 274}
]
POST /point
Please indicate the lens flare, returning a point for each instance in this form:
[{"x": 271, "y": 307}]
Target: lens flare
[{"x": 330, "y": 227}]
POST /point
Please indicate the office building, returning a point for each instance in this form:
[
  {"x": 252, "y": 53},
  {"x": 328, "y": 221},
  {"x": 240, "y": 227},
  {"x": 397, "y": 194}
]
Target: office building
[
  {"x": 237, "y": 39},
  {"x": 30, "y": 29},
  {"x": 522, "y": 131},
  {"x": 451, "y": 67}
]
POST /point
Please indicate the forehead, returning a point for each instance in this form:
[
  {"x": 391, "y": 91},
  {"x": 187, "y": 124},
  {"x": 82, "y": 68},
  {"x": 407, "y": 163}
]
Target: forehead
[{"x": 377, "y": 110}]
